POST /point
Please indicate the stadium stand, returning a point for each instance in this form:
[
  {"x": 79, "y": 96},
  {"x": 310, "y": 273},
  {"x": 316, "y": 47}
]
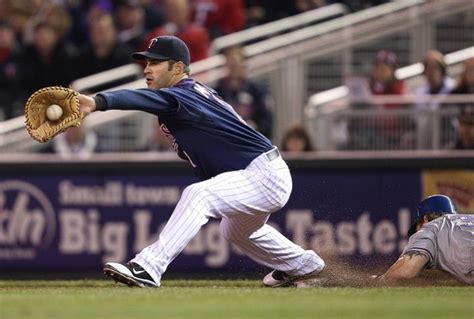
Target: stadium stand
[{"x": 310, "y": 62}]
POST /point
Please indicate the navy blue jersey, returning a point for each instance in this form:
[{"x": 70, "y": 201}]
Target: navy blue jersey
[{"x": 204, "y": 129}]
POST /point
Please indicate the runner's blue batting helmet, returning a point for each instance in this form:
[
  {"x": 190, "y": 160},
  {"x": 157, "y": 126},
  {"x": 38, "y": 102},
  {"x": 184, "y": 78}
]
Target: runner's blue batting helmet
[{"x": 434, "y": 204}]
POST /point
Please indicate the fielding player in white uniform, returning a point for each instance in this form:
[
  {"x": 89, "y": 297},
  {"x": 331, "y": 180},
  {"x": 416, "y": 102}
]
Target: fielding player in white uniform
[
  {"x": 439, "y": 238},
  {"x": 244, "y": 178}
]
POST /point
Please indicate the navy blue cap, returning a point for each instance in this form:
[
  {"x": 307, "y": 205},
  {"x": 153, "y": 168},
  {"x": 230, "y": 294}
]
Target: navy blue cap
[
  {"x": 441, "y": 204},
  {"x": 163, "y": 48}
]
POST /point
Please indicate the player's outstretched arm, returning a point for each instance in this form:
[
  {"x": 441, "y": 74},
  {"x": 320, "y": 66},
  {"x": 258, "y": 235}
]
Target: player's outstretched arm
[{"x": 408, "y": 266}]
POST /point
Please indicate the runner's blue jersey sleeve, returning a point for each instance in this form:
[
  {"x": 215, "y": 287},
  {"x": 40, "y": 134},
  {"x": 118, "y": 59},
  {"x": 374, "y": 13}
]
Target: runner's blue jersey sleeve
[{"x": 204, "y": 130}]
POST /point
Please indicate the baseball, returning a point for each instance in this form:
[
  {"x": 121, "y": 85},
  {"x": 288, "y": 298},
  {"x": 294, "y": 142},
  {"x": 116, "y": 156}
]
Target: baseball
[{"x": 54, "y": 112}]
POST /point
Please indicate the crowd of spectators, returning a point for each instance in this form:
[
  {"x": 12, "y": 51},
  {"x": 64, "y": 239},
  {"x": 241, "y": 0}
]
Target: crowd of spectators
[
  {"x": 387, "y": 131},
  {"x": 44, "y": 42}
]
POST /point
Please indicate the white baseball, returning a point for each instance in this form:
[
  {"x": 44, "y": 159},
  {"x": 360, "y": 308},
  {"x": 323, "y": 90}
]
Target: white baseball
[{"x": 54, "y": 112}]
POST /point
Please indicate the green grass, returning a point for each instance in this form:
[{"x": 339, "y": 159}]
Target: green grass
[{"x": 226, "y": 299}]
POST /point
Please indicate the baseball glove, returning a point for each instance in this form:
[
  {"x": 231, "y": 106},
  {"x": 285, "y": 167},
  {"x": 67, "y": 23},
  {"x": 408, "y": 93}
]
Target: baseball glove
[{"x": 37, "y": 123}]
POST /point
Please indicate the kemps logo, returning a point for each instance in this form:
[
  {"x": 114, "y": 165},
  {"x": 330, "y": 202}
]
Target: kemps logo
[{"x": 27, "y": 220}]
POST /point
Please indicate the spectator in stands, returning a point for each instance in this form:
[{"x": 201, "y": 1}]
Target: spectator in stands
[
  {"x": 10, "y": 104},
  {"x": 78, "y": 12},
  {"x": 465, "y": 132},
  {"x": 382, "y": 79},
  {"x": 466, "y": 81},
  {"x": 131, "y": 21},
  {"x": 82, "y": 13},
  {"x": 296, "y": 140},
  {"x": 387, "y": 129},
  {"x": 384, "y": 131},
  {"x": 104, "y": 52},
  {"x": 179, "y": 24},
  {"x": 436, "y": 76},
  {"x": 76, "y": 142},
  {"x": 465, "y": 129},
  {"x": 97, "y": 8},
  {"x": 19, "y": 14},
  {"x": 465, "y": 84},
  {"x": 437, "y": 83},
  {"x": 47, "y": 61},
  {"x": 58, "y": 17},
  {"x": 154, "y": 12},
  {"x": 220, "y": 17},
  {"x": 249, "y": 99}
]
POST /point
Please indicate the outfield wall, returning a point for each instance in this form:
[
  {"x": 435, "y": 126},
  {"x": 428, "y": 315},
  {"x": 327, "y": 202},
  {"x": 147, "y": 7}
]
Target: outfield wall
[{"x": 59, "y": 214}]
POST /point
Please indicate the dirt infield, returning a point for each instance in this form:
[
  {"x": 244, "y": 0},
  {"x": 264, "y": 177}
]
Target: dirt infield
[{"x": 339, "y": 273}]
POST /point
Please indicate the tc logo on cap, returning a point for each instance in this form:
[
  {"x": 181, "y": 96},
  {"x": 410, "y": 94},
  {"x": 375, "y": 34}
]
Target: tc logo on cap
[
  {"x": 152, "y": 42},
  {"x": 165, "y": 47}
]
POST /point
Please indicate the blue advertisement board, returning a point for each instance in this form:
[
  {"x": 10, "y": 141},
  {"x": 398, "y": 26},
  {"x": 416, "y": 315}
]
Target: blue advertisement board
[{"x": 83, "y": 220}]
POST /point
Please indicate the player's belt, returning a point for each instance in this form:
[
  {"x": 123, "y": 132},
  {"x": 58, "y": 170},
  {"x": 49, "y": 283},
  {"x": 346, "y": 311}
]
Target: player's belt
[{"x": 272, "y": 154}]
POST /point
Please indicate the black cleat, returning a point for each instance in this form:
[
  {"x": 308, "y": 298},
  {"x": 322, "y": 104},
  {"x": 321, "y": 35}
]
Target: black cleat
[
  {"x": 131, "y": 274},
  {"x": 278, "y": 278}
]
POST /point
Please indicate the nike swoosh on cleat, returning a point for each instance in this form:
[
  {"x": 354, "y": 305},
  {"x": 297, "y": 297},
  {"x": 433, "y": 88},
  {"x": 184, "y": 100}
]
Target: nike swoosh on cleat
[{"x": 135, "y": 272}]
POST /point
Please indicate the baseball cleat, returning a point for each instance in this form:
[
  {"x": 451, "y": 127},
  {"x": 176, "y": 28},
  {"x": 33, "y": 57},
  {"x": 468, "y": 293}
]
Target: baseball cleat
[
  {"x": 131, "y": 274},
  {"x": 277, "y": 278}
]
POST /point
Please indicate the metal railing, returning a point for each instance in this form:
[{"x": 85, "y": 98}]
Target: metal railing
[
  {"x": 251, "y": 35},
  {"x": 392, "y": 122},
  {"x": 408, "y": 73},
  {"x": 88, "y": 83}
]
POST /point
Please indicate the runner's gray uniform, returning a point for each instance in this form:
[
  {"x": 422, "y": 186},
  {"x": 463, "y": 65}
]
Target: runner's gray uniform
[{"x": 448, "y": 243}]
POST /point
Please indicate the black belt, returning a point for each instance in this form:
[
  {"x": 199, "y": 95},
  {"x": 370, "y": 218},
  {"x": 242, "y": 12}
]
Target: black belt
[{"x": 272, "y": 154}]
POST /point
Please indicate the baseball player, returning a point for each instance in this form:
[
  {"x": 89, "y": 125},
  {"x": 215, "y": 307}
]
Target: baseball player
[
  {"x": 243, "y": 177},
  {"x": 438, "y": 238}
]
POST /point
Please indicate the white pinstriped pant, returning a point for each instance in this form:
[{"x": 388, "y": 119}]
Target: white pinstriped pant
[{"x": 244, "y": 200}]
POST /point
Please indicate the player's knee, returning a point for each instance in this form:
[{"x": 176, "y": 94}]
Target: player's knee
[
  {"x": 194, "y": 195},
  {"x": 230, "y": 232}
]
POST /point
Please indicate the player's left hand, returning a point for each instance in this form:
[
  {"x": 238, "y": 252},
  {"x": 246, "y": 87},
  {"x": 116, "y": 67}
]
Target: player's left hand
[
  {"x": 39, "y": 123},
  {"x": 86, "y": 104}
]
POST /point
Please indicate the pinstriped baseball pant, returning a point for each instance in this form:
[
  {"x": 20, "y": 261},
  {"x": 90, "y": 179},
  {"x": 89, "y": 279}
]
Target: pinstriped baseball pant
[{"x": 243, "y": 200}]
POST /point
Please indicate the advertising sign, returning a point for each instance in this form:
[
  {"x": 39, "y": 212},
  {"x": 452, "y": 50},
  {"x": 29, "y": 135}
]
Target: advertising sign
[
  {"x": 457, "y": 184},
  {"x": 84, "y": 220}
]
